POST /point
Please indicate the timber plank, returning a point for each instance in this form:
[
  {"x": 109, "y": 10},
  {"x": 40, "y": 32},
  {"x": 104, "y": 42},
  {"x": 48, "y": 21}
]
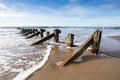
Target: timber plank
[
  {"x": 33, "y": 35},
  {"x": 44, "y": 39},
  {"x": 25, "y": 34}
]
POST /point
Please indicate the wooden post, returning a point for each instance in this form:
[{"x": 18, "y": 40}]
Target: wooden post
[
  {"x": 36, "y": 33},
  {"x": 96, "y": 42},
  {"x": 41, "y": 32},
  {"x": 47, "y": 33},
  {"x": 70, "y": 40},
  {"x": 56, "y": 37},
  {"x": 29, "y": 31},
  {"x": 33, "y": 31}
]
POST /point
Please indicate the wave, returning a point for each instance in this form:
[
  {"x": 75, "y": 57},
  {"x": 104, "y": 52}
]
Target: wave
[{"x": 24, "y": 74}]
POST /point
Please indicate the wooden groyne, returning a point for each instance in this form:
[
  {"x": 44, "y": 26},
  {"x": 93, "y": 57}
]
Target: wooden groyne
[
  {"x": 93, "y": 41},
  {"x": 55, "y": 35},
  {"x": 37, "y": 33},
  {"x": 30, "y": 31}
]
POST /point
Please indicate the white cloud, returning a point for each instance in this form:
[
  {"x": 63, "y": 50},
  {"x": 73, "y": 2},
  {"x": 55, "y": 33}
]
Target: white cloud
[
  {"x": 77, "y": 10},
  {"x": 13, "y": 15},
  {"x": 3, "y": 7},
  {"x": 10, "y": 12},
  {"x": 68, "y": 15}
]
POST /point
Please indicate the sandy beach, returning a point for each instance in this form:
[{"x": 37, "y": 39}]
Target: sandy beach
[
  {"x": 115, "y": 37},
  {"x": 102, "y": 67}
]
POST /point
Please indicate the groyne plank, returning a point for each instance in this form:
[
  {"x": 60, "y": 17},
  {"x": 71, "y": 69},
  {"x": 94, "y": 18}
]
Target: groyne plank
[
  {"x": 44, "y": 39},
  {"x": 27, "y": 33},
  {"x": 33, "y": 35}
]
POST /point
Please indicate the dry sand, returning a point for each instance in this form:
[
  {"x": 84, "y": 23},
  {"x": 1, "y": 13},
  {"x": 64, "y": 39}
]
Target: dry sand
[{"x": 92, "y": 67}]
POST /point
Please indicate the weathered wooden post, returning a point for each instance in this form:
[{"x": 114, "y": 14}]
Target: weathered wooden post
[
  {"x": 96, "y": 42},
  {"x": 37, "y": 32},
  {"x": 56, "y": 37},
  {"x": 31, "y": 31},
  {"x": 47, "y": 33},
  {"x": 70, "y": 41},
  {"x": 41, "y": 32}
]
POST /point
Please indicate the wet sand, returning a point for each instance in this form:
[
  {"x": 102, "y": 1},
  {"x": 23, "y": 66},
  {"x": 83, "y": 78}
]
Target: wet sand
[
  {"x": 115, "y": 37},
  {"x": 111, "y": 46},
  {"x": 102, "y": 67}
]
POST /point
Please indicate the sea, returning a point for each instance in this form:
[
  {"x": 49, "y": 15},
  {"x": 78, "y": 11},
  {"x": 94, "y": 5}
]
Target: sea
[{"x": 18, "y": 59}]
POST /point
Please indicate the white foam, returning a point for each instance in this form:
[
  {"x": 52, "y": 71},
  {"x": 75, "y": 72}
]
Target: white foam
[
  {"x": 79, "y": 59},
  {"x": 58, "y": 63},
  {"x": 10, "y": 38},
  {"x": 17, "y": 70},
  {"x": 24, "y": 74},
  {"x": 68, "y": 47}
]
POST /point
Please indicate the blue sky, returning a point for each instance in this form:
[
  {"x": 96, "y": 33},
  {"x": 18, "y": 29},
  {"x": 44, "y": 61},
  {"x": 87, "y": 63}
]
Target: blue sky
[{"x": 59, "y": 12}]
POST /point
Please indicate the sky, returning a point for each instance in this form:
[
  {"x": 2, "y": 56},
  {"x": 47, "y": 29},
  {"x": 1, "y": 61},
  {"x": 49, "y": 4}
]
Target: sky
[{"x": 59, "y": 13}]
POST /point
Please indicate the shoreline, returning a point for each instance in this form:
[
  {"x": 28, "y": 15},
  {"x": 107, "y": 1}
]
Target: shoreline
[
  {"x": 115, "y": 37},
  {"x": 100, "y": 67},
  {"x": 111, "y": 46},
  {"x": 31, "y": 70}
]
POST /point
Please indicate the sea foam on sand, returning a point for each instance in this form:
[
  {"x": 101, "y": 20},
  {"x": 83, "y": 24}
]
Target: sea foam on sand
[{"x": 24, "y": 74}]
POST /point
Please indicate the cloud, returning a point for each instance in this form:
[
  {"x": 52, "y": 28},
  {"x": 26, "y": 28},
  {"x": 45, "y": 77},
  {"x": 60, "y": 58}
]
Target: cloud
[
  {"x": 77, "y": 10},
  {"x": 3, "y": 7},
  {"x": 67, "y": 15},
  {"x": 10, "y": 12}
]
